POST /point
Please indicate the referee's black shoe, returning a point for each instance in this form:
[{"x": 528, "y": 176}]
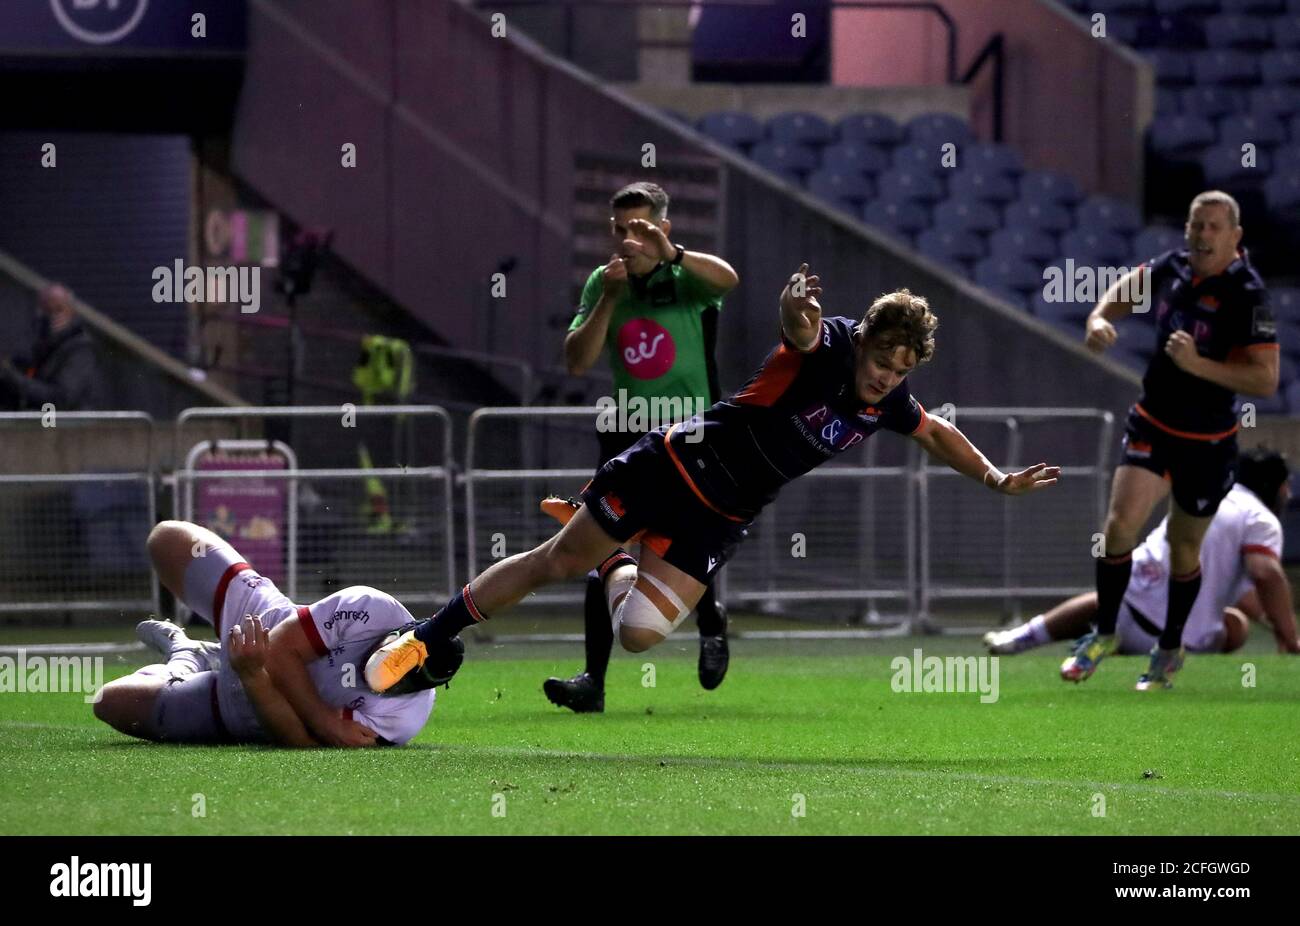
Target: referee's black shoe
[{"x": 580, "y": 694}]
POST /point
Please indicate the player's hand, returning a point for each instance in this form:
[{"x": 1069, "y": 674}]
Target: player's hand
[
  {"x": 1036, "y": 477},
  {"x": 801, "y": 292},
  {"x": 649, "y": 239},
  {"x": 347, "y": 734},
  {"x": 249, "y": 644},
  {"x": 614, "y": 280},
  {"x": 1100, "y": 335},
  {"x": 1181, "y": 349}
]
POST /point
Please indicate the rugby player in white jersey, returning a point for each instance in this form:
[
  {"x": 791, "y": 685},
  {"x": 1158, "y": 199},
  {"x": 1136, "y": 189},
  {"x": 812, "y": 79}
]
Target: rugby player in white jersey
[
  {"x": 1242, "y": 580},
  {"x": 285, "y": 674}
]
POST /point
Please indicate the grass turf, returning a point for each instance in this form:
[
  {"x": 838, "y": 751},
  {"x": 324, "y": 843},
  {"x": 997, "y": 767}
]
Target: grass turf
[{"x": 813, "y": 718}]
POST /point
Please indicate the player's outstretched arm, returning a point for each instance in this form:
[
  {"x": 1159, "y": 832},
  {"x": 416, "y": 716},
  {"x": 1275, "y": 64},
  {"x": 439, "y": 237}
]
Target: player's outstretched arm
[
  {"x": 801, "y": 313},
  {"x": 1099, "y": 329},
  {"x": 941, "y": 440},
  {"x": 290, "y": 653},
  {"x": 249, "y": 643},
  {"x": 1274, "y": 590},
  {"x": 713, "y": 271}
]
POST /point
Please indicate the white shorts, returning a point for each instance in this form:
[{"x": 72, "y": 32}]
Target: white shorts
[{"x": 1135, "y": 640}]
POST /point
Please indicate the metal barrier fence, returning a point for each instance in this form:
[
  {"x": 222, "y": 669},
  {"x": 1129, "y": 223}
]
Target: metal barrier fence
[
  {"x": 74, "y": 540},
  {"x": 389, "y": 526}
]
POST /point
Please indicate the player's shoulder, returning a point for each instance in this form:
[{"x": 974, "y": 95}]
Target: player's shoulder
[
  {"x": 1174, "y": 260},
  {"x": 1245, "y": 506},
  {"x": 837, "y": 330},
  {"x": 364, "y": 603}
]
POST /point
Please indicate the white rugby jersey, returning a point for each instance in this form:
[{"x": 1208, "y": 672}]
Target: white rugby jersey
[{"x": 1243, "y": 524}]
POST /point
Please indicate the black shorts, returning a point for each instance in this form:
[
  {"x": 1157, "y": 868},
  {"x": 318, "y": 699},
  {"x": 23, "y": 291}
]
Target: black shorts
[
  {"x": 640, "y": 495},
  {"x": 1200, "y": 472}
]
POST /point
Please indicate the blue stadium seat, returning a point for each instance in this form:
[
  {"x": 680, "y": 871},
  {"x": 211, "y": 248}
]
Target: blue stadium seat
[
  {"x": 784, "y": 159},
  {"x": 902, "y": 217},
  {"x": 1180, "y": 135},
  {"x": 841, "y": 186},
  {"x": 1024, "y": 244},
  {"x": 1286, "y": 32},
  {"x": 1153, "y": 241},
  {"x": 980, "y": 183},
  {"x": 1016, "y": 274},
  {"x": 1253, "y": 7},
  {"x": 1282, "y": 193},
  {"x": 1176, "y": 32},
  {"x": 1125, "y": 29},
  {"x": 737, "y": 129},
  {"x": 966, "y": 215},
  {"x": 1168, "y": 102},
  {"x": 1278, "y": 101},
  {"x": 1186, "y": 6},
  {"x": 1095, "y": 246},
  {"x": 800, "y": 128},
  {"x": 918, "y": 156},
  {"x": 1262, "y": 131},
  {"x": 1293, "y": 127},
  {"x": 957, "y": 249},
  {"x": 1110, "y": 213},
  {"x": 869, "y": 128},
  {"x": 1235, "y": 31},
  {"x": 1049, "y": 186},
  {"x": 1017, "y": 298},
  {"x": 1280, "y": 67},
  {"x": 848, "y": 155},
  {"x": 1222, "y": 166},
  {"x": 990, "y": 156},
  {"x": 938, "y": 129},
  {"x": 1173, "y": 66},
  {"x": 1227, "y": 67},
  {"x": 1069, "y": 313},
  {"x": 1211, "y": 102},
  {"x": 1286, "y": 303},
  {"x": 1039, "y": 216},
  {"x": 1111, "y": 7},
  {"x": 921, "y": 186}
]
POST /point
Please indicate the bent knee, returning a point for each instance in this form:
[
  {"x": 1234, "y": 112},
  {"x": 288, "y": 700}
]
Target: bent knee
[{"x": 638, "y": 639}]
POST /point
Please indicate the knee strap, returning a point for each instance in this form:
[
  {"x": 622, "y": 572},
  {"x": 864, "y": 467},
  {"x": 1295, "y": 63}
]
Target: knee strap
[{"x": 642, "y": 606}]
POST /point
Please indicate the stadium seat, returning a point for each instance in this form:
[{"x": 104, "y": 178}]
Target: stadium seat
[
  {"x": 1286, "y": 303},
  {"x": 782, "y": 158},
  {"x": 1293, "y": 127},
  {"x": 1278, "y": 101},
  {"x": 1222, "y": 166},
  {"x": 1173, "y": 67},
  {"x": 1253, "y": 7},
  {"x": 1226, "y": 67},
  {"x": 921, "y": 186},
  {"x": 1068, "y": 314},
  {"x": 990, "y": 156},
  {"x": 1049, "y": 186},
  {"x": 737, "y": 129},
  {"x": 1041, "y": 216},
  {"x": 966, "y": 215},
  {"x": 1178, "y": 135},
  {"x": 1016, "y": 274},
  {"x": 1280, "y": 67},
  {"x": 954, "y": 248},
  {"x": 1125, "y": 29},
  {"x": 982, "y": 184},
  {"x": 1236, "y": 31},
  {"x": 938, "y": 129},
  {"x": 1176, "y": 32},
  {"x": 1024, "y": 243},
  {"x": 914, "y": 156},
  {"x": 1211, "y": 102},
  {"x": 1017, "y": 298},
  {"x": 1282, "y": 194},
  {"x": 869, "y": 128},
  {"x": 800, "y": 128},
  {"x": 1264, "y": 131},
  {"x": 903, "y": 217},
  {"x": 1108, "y": 212},
  {"x": 1168, "y": 102},
  {"x": 848, "y": 155},
  {"x": 1153, "y": 241},
  {"x": 1111, "y": 7},
  {"x": 1184, "y": 7},
  {"x": 1286, "y": 32},
  {"x": 840, "y": 186},
  {"x": 1095, "y": 246}
]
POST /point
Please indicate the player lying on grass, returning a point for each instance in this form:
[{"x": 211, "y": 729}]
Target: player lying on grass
[
  {"x": 829, "y": 385},
  {"x": 283, "y": 673},
  {"x": 1242, "y": 578}
]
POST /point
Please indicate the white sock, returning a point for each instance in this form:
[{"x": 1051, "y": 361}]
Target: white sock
[{"x": 1036, "y": 630}]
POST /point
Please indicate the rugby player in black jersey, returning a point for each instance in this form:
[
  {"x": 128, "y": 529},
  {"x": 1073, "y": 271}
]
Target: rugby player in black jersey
[
  {"x": 690, "y": 497},
  {"x": 1215, "y": 337}
]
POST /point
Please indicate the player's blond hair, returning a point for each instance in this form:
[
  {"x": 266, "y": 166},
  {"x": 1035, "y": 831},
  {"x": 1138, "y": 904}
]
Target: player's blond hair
[
  {"x": 901, "y": 319},
  {"x": 1217, "y": 198}
]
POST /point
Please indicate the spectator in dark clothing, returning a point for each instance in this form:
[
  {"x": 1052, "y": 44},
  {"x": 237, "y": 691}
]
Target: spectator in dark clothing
[{"x": 60, "y": 368}]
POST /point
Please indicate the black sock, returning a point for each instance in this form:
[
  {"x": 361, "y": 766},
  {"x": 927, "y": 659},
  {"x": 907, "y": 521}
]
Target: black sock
[
  {"x": 1113, "y": 573},
  {"x": 709, "y": 614},
  {"x": 454, "y": 617},
  {"x": 599, "y": 634},
  {"x": 1182, "y": 595}
]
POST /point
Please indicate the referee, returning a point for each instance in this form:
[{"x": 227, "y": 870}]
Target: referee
[
  {"x": 655, "y": 306},
  {"x": 1215, "y": 337}
]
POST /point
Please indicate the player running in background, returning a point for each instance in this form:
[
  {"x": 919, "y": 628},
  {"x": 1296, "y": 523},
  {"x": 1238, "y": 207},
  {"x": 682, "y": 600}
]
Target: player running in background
[
  {"x": 1242, "y": 579},
  {"x": 1215, "y": 337},
  {"x": 828, "y": 385},
  {"x": 655, "y": 307},
  {"x": 284, "y": 673}
]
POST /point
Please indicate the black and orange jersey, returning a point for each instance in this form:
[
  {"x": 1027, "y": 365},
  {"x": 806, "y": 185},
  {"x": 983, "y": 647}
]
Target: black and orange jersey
[
  {"x": 1227, "y": 314},
  {"x": 799, "y": 410}
]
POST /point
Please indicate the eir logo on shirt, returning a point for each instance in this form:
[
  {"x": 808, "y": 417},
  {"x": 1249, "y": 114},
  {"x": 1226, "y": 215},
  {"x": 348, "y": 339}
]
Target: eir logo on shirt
[{"x": 831, "y": 428}]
